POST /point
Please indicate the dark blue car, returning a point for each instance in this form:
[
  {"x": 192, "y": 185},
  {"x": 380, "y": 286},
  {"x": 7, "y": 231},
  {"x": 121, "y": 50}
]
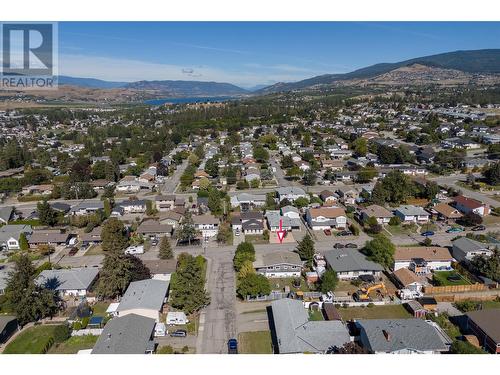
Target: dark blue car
[{"x": 232, "y": 346}]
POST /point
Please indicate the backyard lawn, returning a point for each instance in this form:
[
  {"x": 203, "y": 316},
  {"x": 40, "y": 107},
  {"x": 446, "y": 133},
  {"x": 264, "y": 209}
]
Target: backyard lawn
[
  {"x": 440, "y": 278},
  {"x": 315, "y": 315},
  {"x": 99, "y": 309},
  {"x": 280, "y": 283},
  {"x": 374, "y": 312},
  {"x": 255, "y": 343},
  {"x": 256, "y": 239},
  {"x": 34, "y": 340},
  {"x": 74, "y": 344}
]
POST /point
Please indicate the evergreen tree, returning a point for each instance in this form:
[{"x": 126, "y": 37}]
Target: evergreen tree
[
  {"x": 187, "y": 231},
  {"x": 46, "y": 213},
  {"x": 305, "y": 249},
  {"x": 114, "y": 237},
  {"x": 165, "y": 249}
]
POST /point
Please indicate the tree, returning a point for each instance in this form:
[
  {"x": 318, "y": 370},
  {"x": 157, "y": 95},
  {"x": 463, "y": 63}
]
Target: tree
[
  {"x": 253, "y": 285},
  {"x": 348, "y": 348},
  {"x": 244, "y": 252},
  {"x": 187, "y": 231},
  {"x": 260, "y": 154},
  {"x": 204, "y": 183},
  {"x": 492, "y": 174},
  {"x": 107, "y": 207},
  {"x": 488, "y": 266},
  {"x": 360, "y": 146},
  {"x": 394, "y": 221},
  {"x": 187, "y": 285},
  {"x": 309, "y": 178},
  {"x": 366, "y": 174},
  {"x": 23, "y": 242},
  {"x": 28, "y": 300},
  {"x": 46, "y": 214},
  {"x": 470, "y": 219},
  {"x": 301, "y": 202},
  {"x": 224, "y": 233},
  {"x": 165, "y": 251},
  {"x": 255, "y": 183},
  {"x": 150, "y": 210},
  {"x": 381, "y": 250},
  {"x": 398, "y": 187},
  {"x": 212, "y": 167},
  {"x": 305, "y": 249},
  {"x": 246, "y": 269},
  {"x": 80, "y": 171},
  {"x": 329, "y": 281},
  {"x": 379, "y": 194},
  {"x": 117, "y": 272},
  {"x": 113, "y": 235}
]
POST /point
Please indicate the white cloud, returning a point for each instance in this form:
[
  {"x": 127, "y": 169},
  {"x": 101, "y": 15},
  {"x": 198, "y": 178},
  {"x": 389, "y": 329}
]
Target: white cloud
[{"x": 114, "y": 69}]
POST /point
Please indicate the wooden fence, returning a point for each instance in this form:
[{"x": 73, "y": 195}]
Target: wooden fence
[{"x": 454, "y": 289}]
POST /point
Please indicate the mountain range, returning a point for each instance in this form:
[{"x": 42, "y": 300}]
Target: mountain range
[{"x": 481, "y": 67}]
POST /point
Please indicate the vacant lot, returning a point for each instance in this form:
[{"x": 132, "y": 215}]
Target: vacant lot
[
  {"x": 255, "y": 342},
  {"x": 74, "y": 344},
  {"x": 34, "y": 340},
  {"x": 374, "y": 312}
]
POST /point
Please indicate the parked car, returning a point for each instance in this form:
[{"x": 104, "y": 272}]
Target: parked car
[
  {"x": 154, "y": 242},
  {"x": 455, "y": 230},
  {"x": 428, "y": 233},
  {"x": 232, "y": 346},
  {"x": 73, "y": 251},
  {"x": 338, "y": 246},
  {"x": 179, "y": 333},
  {"x": 237, "y": 232},
  {"x": 479, "y": 228},
  {"x": 134, "y": 250},
  {"x": 351, "y": 246},
  {"x": 344, "y": 233},
  {"x": 328, "y": 232}
]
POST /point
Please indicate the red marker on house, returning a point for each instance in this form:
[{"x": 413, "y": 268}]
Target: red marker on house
[{"x": 281, "y": 233}]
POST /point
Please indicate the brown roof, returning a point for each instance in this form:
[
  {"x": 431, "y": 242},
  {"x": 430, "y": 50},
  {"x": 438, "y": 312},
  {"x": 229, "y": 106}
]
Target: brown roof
[
  {"x": 447, "y": 211},
  {"x": 468, "y": 202},
  {"x": 428, "y": 253},
  {"x": 377, "y": 211},
  {"x": 331, "y": 311},
  {"x": 329, "y": 212},
  {"x": 489, "y": 322},
  {"x": 170, "y": 215},
  {"x": 160, "y": 265},
  {"x": 205, "y": 219},
  {"x": 407, "y": 277},
  {"x": 153, "y": 226}
]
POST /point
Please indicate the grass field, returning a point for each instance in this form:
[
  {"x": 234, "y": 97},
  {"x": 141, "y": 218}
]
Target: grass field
[
  {"x": 375, "y": 312},
  {"x": 256, "y": 239},
  {"x": 441, "y": 278},
  {"x": 255, "y": 343},
  {"x": 35, "y": 340},
  {"x": 74, "y": 344},
  {"x": 315, "y": 315}
]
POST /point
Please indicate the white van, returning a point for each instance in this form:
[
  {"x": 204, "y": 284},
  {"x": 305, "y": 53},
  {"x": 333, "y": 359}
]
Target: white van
[{"x": 135, "y": 250}]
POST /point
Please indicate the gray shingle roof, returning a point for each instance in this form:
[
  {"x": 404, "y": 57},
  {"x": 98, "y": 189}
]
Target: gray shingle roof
[
  {"x": 144, "y": 294},
  {"x": 68, "y": 279},
  {"x": 345, "y": 260},
  {"x": 296, "y": 334},
  {"x": 390, "y": 335},
  {"x": 130, "y": 334}
]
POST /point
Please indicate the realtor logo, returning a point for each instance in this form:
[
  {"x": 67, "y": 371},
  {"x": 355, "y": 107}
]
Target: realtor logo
[{"x": 29, "y": 55}]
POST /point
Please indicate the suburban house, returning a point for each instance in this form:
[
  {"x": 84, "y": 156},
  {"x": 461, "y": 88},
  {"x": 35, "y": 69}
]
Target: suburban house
[
  {"x": 328, "y": 197},
  {"x": 382, "y": 214},
  {"x": 288, "y": 223},
  {"x": 290, "y": 193},
  {"x": 350, "y": 264},
  {"x": 464, "y": 249},
  {"x": 422, "y": 259},
  {"x": 130, "y": 334},
  {"x": 51, "y": 237},
  {"x": 136, "y": 206},
  {"x": 409, "y": 280},
  {"x": 248, "y": 201},
  {"x": 348, "y": 195},
  {"x": 278, "y": 264},
  {"x": 295, "y": 333},
  {"x": 37, "y": 190},
  {"x": 485, "y": 325},
  {"x": 412, "y": 214},
  {"x": 401, "y": 336},
  {"x": 165, "y": 202},
  {"x": 252, "y": 222},
  {"x": 10, "y": 234},
  {"x": 171, "y": 218},
  {"x": 6, "y": 214},
  {"x": 466, "y": 205},
  {"x": 208, "y": 225},
  {"x": 92, "y": 238},
  {"x": 144, "y": 298},
  {"x": 69, "y": 282},
  {"x": 326, "y": 218},
  {"x": 86, "y": 207},
  {"x": 153, "y": 229},
  {"x": 446, "y": 212}
]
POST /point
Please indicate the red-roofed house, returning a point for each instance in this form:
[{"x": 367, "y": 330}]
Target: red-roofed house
[{"x": 466, "y": 205}]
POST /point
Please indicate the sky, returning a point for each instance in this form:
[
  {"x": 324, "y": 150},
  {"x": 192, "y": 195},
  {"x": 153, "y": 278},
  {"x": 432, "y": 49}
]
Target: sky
[{"x": 248, "y": 54}]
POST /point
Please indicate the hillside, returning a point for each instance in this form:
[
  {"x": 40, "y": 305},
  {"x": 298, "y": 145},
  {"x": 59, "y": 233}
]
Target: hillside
[
  {"x": 474, "y": 62},
  {"x": 187, "y": 88}
]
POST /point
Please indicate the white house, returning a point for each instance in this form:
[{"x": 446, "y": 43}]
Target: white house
[
  {"x": 10, "y": 235},
  {"x": 326, "y": 218},
  {"x": 422, "y": 259},
  {"x": 412, "y": 214},
  {"x": 74, "y": 282},
  {"x": 278, "y": 264},
  {"x": 208, "y": 225},
  {"x": 291, "y": 193}
]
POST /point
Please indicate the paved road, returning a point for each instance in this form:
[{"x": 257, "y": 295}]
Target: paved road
[
  {"x": 171, "y": 183},
  {"x": 218, "y": 319}
]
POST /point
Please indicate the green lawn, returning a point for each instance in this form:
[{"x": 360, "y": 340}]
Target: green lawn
[
  {"x": 34, "y": 340},
  {"x": 440, "y": 278},
  {"x": 374, "y": 312},
  {"x": 315, "y": 315},
  {"x": 99, "y": 309},
  {"x": 257, "y": 239},
  {"x": 255, "y": 343},
  {"x": 74, "y": 344},
  {"x": 281, "y": 282},
  {"x": 401, "y": 229}
]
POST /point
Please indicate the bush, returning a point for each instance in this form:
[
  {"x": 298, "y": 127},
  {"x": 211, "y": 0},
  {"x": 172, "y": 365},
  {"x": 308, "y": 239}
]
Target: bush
[
  {"x": 395, "y": 221},
  {"x": 62, "y": 333},
  {"x": 165, "y": 350},
  {"x": 354, "y": 229},
  {"x": 76, "y": 326}
]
